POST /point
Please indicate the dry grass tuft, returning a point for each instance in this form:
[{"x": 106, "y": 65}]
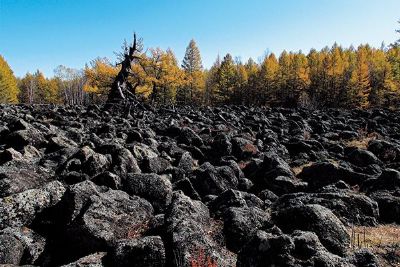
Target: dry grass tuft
[
  {"x": 383, "y": 241},
  {"x": 363, "y": 140},
  {"x": 297, "y": 170}
]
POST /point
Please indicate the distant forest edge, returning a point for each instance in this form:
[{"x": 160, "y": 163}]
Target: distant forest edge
[{"x": 335, "y": 77}]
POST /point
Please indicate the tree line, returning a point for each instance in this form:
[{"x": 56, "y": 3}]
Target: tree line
[{"x": 337, "y": 77}]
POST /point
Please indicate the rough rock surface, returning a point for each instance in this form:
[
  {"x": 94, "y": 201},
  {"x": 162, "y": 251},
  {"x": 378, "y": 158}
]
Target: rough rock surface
[{"x": 184, "y": 186}]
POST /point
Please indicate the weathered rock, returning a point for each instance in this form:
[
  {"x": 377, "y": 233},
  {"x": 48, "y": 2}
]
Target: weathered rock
[
  {"x": 233, "y": 198},
  {"x": 266, "y": 249},
  {"x": 18, "y": 176},
  {"x": 389, "y": 205},
  {"x": 188, "y": 226},
  {"x": 362, "y": 157},
  {"x": 318, "y": 219},
  {"x": 33, "y": 244},
  {"x": 384, "y": 150},
  {"x": 96, "y": 219},
  {"x": 324, "y": 173},
  {"x": 155, "y": 188},
  {"x": 349, "y": 207},
  {"x": 93, "y": 260},
  {"x": 214, "y": 180},
  {"x": 240, "y": 223},
  {"x": 20, "y": 209},
  {"x": 11, "y": 250},
  {"x": 156, "y": 165},
  {"x": 144, "y": 252}
]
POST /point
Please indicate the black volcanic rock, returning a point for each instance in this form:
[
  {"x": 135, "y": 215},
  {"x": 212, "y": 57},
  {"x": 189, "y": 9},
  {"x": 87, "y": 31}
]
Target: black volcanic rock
[{"x": 194, "y": 186}]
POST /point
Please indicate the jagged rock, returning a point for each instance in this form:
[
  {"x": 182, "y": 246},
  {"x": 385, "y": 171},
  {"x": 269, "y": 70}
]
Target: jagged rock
[
  {"x": 242, "y": 148},
  {"x": 18, "y": 176},
  {"x": 266, "y": 249},
  {"x": 318, "y": 219},
  {"x": 156, "y": 165},
  {"x": 234, "y": 198},
  {"x": 108, "y": 179},
  {"x": 214, "y": 180},
  {"x": 92, "y": 260},
  {"x": 189, "y": 137},
  {"x": 11, "y": 249},
  {"x": 59, "y": 142},
  {"x": 33, "y": 244},
  {"x": 325, "y": 173},
  {"x": 240, "y": 223},
  {"x": 95, "y": 217},
  {"x": 20, "y": 209},
  {"x": 144, "y": 252},
  {"x": 188, "y": 226},
  {"x": 362, "y": 157},
  {"x": 389, "y": 206},
  {"x": 351, "y": 208},
  {"x": 186, "y": 162},
  {"x": 155, "y": 188},
  {"x": 22, "y": 138},
  {"x": 10, "y": 154}
]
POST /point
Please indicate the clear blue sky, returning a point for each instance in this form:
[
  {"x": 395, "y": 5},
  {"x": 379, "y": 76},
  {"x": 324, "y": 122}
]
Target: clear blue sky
[{"x": 42, "y": 34}]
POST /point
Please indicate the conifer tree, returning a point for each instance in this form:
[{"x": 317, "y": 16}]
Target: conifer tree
[
  {"x": 8, "y": 83},
  {"x": 194, "y": 76},
  {"x": 360, "y": 82},
  {"x": 226, "y": 80}
]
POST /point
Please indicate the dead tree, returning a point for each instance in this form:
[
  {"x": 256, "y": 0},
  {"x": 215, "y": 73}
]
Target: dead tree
[{"x": 121, "y": 89}]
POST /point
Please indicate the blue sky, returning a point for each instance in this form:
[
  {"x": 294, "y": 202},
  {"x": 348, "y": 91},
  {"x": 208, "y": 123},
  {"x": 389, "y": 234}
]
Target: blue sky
[{"x": 42, "y": 34}]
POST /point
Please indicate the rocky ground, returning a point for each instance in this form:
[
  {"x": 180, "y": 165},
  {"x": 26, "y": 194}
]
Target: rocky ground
[{"x": 227, "y": 186}]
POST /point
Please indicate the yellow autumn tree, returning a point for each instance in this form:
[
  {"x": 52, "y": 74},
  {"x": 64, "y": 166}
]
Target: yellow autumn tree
[
  {"x": 99, "y": 75},
  {"x": 360, "y": 83},
  {"x": 8, "y": 83},
  {"x": 268, "y": 79}
]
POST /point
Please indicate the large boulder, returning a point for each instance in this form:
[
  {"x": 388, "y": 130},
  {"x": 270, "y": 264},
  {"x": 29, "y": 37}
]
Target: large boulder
[
  {"x": 92, "y": 260},
  {"x": 351, "y": 208},
  {"x": 362, "y": 158},
  {"x": 17, "y": 176},
  {"x": 324, "y": 173},
  {"x": 266, "y": 249},
  {"x": 210, "y": 180},
  {"x": 233, "y": 198},
  {"x": 191, "y": 231},
  {"x": 33, "y": 244},
  {"x": 317, "y": 219},
  {"x": 389, "y": 205},
  {"x": 21, "y": 209},
  {"x": 240, "y": 223},
  {"x": 384, "y": 150},
  {"x": 11, "y": 250},
  {"x": 96, "y": 217},
  {"x": 388, "y": 180},
  {"x": 155, "y": 188},
  {"x": 144, "y": 252}
]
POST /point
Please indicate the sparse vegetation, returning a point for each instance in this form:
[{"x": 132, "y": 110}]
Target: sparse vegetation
[{"x": 383, "y": 241}]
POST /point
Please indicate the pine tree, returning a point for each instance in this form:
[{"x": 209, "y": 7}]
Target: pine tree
[
  {"x": 8, "y": 83},
  {"x": 212, "y": 82},
  {"x": 226, "y": 80},
  {"x": 194, "y": 76},
  {"x": 250, "y": 92}
]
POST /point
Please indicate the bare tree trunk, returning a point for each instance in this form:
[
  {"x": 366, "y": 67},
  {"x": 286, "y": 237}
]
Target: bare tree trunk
[{"x": 121, "y": 87}]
